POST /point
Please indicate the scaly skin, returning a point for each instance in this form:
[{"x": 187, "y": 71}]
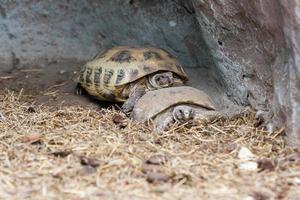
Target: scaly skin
[
  {"x": 128, "y": 105},
  {"x": 153, "y": 82},
  {"x": 182, "y": 114}
]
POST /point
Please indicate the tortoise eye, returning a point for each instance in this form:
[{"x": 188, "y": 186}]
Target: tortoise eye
[
  {"x": 157, "y": 78},
  {"x": 181, "y": 112}
]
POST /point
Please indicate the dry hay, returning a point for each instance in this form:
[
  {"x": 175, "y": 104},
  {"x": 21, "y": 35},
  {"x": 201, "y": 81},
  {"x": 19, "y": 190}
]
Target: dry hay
[{"x": 82, "y": 153}]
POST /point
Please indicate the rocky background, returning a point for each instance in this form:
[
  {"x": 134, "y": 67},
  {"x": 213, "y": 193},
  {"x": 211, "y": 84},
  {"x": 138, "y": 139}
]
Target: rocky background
[{"x": 240, "y": 52}]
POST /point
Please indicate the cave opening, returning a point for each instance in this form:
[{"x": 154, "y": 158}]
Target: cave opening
[{"x": 45, "y": 44}]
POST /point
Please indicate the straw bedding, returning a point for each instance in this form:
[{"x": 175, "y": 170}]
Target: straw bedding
[{"x": 76, "y": 152}]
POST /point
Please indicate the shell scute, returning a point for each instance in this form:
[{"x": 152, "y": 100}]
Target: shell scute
[
  {"x": 122, "y": 56},
  {"x": 168, "y": 97},
  {"x": 121, "y": 65}
]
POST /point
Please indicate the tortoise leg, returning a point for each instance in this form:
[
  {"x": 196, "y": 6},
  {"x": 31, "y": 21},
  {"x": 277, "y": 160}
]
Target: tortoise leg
[
  {"x": 79, "y": 89},
  {"x": 128, "y": 105},
  {"x": 164, "y": 121},
  {"x": 183, "y": 114},
  {"x": 202, "y": 114},
  {"x": 179, "y": 114}
]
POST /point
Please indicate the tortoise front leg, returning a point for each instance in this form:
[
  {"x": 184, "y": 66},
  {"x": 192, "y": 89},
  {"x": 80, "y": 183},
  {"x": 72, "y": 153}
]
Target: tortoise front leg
[
  {"x": 208, "y": 115},
  {"x": 164, "y": 121},
  {"x": 78, "y": 89},
  {"x": 128, "y": 105}
]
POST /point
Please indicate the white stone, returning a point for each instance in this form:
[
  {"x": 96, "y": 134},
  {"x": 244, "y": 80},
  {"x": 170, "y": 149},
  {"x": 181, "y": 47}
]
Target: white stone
[
  {"x": 172, "y": 23},
  {"x": 248, "y": 166},
  {"x": 245, "y": 154}
]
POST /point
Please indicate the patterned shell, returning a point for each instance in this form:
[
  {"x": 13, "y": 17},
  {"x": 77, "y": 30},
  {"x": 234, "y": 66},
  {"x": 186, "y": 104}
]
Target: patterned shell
[
  {"x": 118, "y": 66},
  {"x": 165, "y": 98}
]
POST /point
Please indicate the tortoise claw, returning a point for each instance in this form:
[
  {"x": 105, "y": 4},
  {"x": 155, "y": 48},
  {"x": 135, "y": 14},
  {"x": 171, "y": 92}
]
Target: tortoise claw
[
  {"x": 127, "y": 107},
  {"x": 79, "y": 89},
  {"x": 132, "y": 100}
]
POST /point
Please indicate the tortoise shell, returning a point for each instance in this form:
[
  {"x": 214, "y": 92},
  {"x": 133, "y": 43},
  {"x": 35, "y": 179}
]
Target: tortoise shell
[
  {"x": 146, "y": 109},
  {"x": 118, "y": 66}
]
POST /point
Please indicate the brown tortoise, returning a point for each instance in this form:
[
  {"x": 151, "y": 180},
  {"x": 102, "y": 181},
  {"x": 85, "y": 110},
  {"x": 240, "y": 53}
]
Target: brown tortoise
[
  {"x": 175, "y": 105},
  {"x": 125, "y": 73}
]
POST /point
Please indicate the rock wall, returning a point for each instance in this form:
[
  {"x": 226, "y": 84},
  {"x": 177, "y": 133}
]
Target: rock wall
[
  {"x": 255, "y": 45},
  {"x": 244, "y": 51},
  {"x": 33, "y": 31},
  {"x": 53, "y": 35},
  {"x": 287, "y": 76},
  {"x": 245, "y": 39}
]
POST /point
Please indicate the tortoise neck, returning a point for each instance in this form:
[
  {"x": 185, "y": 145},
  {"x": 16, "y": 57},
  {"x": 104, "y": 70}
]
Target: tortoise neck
[
  {"x": 149, "y": 83},
  {"x": 152, "y": 85},
  {"x": 140, "y": 84}
]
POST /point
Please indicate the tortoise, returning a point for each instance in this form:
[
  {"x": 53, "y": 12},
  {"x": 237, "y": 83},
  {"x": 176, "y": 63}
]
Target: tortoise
[
  {"x": 125, "y": 73},
  {"x": 174, "y": 105}
]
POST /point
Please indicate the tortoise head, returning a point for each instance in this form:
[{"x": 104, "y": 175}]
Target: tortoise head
[
  {"x": 164, "y": 79},
  {"x": 183, "y": 113}
]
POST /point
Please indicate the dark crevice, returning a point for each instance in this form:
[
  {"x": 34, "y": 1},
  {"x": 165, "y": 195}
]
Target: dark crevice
[
  {"x": 2, "y": 12},
  {"x": 225, "y": 28},
  {"x": 11, "y": 36},
  {"x": 188, "y": 9},
  {"x": 15, "y": 60}
]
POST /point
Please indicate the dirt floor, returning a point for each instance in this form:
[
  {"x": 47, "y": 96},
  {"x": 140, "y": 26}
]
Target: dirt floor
[
  {"x": 57, "y": 145},
  {"x": 80, "y": 152},
  {"x": 54, "y": 84}
]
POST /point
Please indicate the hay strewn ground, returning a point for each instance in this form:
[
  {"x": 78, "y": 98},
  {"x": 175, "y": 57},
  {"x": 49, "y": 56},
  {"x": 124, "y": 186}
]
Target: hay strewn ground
[{"x": 80, "y": 153}]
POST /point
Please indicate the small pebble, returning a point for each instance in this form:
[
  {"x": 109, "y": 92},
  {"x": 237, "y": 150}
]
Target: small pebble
[
  {"x": 146, "y": 168},
  {"x": 31, "y": 109},
  {"x": 90, "y": 161},
  {"x": 61, "y": 153},
  {"x": 265, "y": 164},
  {"x": 31, "y": 138},
  {"x": 245, "y": 154},
  {"x": 248, "y": 166},
  {"x": 87, "y": 170},
  {"x": 120, "y": 121},
  {"x": 157, "y": 160},
  {"x": 156, "y": 177},
  {"x": 172, "y": 23},
  {"x": 246, "y": 158}
]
